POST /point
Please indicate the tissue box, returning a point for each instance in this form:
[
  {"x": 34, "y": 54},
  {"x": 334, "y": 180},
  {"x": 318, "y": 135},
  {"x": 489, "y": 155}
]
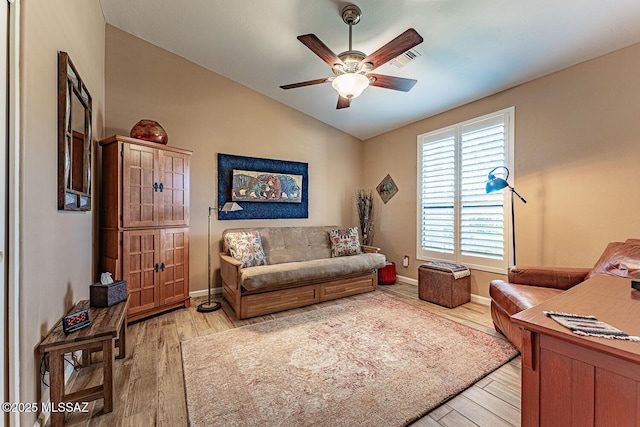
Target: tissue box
[{"x": 107, "y": 295}]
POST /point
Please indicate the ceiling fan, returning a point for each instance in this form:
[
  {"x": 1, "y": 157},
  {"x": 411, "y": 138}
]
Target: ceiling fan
[{"x": 353, "y": 68}]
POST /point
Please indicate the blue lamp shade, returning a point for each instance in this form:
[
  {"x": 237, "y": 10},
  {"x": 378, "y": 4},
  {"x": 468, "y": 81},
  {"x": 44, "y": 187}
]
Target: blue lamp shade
[{"x": 495, "y": 184}]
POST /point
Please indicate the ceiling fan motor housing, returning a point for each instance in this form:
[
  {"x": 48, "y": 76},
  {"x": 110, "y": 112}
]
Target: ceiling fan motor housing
[
  {"x": 351, "y": 14},
  {"x": 351, "y": 59}
]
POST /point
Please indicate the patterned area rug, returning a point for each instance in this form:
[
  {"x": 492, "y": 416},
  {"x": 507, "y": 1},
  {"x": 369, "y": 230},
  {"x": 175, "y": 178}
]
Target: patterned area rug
[{"x": 373, "y": 361}]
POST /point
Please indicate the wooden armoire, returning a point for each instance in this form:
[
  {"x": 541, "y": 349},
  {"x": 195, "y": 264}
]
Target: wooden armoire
[{"x": 144, "y": 222}]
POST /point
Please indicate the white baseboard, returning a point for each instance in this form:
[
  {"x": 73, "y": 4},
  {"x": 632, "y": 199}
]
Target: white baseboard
[
  {"x": 205, "y": 292},
  {"x": 478, "y": 299},
  {"x": 407, "y": 280}
]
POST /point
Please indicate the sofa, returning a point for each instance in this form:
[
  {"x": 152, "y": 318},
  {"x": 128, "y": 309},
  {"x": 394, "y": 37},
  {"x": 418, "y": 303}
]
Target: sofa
[
  {"x": 269, "y": 269},
  {"x": 528, "y": 286}
]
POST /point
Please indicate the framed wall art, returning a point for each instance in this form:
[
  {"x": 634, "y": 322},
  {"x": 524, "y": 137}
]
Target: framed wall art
[
  {"x": 387, "y": 188},
  {"x": 264, "y": 188},
  {"x": 74, "y": 138}
]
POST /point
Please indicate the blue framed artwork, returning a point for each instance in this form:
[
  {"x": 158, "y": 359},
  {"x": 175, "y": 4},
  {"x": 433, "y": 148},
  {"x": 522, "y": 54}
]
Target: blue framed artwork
[{"x": 264, "y": 188}]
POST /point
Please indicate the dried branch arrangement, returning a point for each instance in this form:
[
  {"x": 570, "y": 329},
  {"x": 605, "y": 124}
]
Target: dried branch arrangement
[{"x": 364, "y": 206}]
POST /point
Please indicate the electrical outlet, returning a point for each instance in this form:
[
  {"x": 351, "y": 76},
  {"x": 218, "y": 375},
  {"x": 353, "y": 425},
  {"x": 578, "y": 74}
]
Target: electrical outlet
[{"x": 405, "y": 261}]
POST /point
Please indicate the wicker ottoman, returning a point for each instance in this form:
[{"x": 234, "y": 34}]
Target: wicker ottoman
[{"x": 437, "y": 283}]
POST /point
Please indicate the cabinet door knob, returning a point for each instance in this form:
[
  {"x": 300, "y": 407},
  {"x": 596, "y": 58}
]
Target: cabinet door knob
[
  {"x": 161, "y": 187},
  {"x": 157, "y": 267},
  {"x": 162, "y": 266},
  {"x": 155, "y": 187}
]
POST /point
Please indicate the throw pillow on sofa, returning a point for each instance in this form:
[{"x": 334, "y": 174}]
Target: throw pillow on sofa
[
  {"x": 246, "y": 247},
  {"x": 344, "y": 242}
]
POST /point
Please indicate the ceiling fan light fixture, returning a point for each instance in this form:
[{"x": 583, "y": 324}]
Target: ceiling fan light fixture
[{"x": 350, "y": 85}]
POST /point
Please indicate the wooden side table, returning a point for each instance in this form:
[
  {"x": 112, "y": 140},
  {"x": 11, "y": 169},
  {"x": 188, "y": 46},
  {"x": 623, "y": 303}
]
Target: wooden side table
[{"x": 106, "y": 332}]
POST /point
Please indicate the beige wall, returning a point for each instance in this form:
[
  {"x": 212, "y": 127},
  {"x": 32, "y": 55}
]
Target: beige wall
[
  {"x": 209, "y": 114},
  {"x": 56, "y": 247},
  {"x": 577, "y": 163}
]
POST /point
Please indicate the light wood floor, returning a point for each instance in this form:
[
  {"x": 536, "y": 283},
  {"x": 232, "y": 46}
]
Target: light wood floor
[{"x": 149, "y": 388}]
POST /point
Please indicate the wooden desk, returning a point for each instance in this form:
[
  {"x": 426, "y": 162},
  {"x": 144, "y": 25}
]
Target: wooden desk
[
  {"x": 106, "y": 332},
  {"x": 571, "y": 380}
]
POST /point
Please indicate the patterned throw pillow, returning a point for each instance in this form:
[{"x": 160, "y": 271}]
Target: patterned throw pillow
[
  {"x": 344, "y": 242},
  {"x": 246, "y": 247}
]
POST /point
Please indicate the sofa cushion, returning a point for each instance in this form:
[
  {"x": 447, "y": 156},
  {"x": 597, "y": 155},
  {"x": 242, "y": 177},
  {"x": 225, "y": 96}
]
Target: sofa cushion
[
  {"x": 246, "y": 247},
  {"x": 267, "y": 277},
  {"x": 291, "y": 244},
  {"x": 619, "y": 259},
  {"x": 344, "y": 242}
]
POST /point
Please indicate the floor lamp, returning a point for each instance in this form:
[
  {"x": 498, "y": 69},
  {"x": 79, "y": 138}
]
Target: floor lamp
[
  {"x": 209, "y": 306},
  {"x": 496, "y": 184}
]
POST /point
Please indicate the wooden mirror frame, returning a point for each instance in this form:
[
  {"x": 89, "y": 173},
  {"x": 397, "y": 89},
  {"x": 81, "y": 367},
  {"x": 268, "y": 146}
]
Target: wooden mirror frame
[{"x": 74, "y": 138}]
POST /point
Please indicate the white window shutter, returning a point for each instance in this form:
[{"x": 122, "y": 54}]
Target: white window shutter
[
  {"x": 438, "y": 172},
  {"x": 457, "y": 220},
  {"x": 482, "y": 231}
]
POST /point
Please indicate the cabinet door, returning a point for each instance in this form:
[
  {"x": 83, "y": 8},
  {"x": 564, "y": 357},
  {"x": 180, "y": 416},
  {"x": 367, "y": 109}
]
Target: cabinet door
[
  {"x": 174, "y": 191},
  {"x": 140, "y": 186},
  {"x": 140, "y": 261},
  {"x": 174, "y": 265}
]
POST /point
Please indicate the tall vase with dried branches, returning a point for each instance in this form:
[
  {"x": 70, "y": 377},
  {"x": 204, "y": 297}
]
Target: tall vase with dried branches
[{"x": 364, "y": 207}]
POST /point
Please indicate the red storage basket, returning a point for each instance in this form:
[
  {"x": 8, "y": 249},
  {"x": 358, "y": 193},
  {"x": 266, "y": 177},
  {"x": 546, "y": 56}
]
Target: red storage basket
[{"x": 387, "y": 274}]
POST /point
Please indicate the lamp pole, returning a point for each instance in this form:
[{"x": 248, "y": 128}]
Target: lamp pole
[
  {"x": 513, "y": 220},
  {"x": 495, "y": 184},
  {"x": 513, "y": 227},
  {"x": 209, "y": 306}
]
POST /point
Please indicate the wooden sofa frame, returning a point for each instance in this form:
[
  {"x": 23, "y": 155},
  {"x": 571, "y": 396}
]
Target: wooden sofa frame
[{"x": 291, "y": 295}]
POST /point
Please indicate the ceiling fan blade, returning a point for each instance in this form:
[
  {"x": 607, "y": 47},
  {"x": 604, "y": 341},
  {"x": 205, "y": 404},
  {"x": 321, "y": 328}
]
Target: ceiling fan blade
[
  {"x": 395, "y": 47},
  {"x": 320, "y": 49},
  {"x": 390, "y": 82},
  {"x": 343, "y": 102},
  {"x": 307, "y": 83}
]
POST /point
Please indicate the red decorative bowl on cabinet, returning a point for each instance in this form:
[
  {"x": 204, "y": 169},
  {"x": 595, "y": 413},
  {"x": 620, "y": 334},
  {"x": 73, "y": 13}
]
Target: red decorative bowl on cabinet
[{"x": 149, "y": 130}]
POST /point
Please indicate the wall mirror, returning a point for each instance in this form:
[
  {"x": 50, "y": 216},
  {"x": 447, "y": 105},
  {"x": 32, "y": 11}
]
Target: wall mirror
[{"x": 74, "y": 138}]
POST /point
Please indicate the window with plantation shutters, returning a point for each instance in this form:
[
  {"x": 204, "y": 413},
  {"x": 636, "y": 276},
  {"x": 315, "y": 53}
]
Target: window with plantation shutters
[
  {"x": 438, "y": 192},
  {"x": 457, "y": 220}
]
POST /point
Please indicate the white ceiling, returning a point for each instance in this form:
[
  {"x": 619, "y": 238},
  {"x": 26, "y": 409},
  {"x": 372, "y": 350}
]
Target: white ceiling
[{"x": 471, "y": 48}]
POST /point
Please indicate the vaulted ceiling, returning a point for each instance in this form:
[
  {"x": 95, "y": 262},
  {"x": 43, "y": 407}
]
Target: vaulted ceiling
[{"x": 471, "y": 48}]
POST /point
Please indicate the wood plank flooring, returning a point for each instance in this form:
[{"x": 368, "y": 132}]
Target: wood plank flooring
[{"x": 149, "y": 387}]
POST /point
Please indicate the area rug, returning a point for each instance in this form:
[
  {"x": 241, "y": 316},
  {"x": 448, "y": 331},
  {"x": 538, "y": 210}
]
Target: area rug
[{"x": 373, "y": 361}]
